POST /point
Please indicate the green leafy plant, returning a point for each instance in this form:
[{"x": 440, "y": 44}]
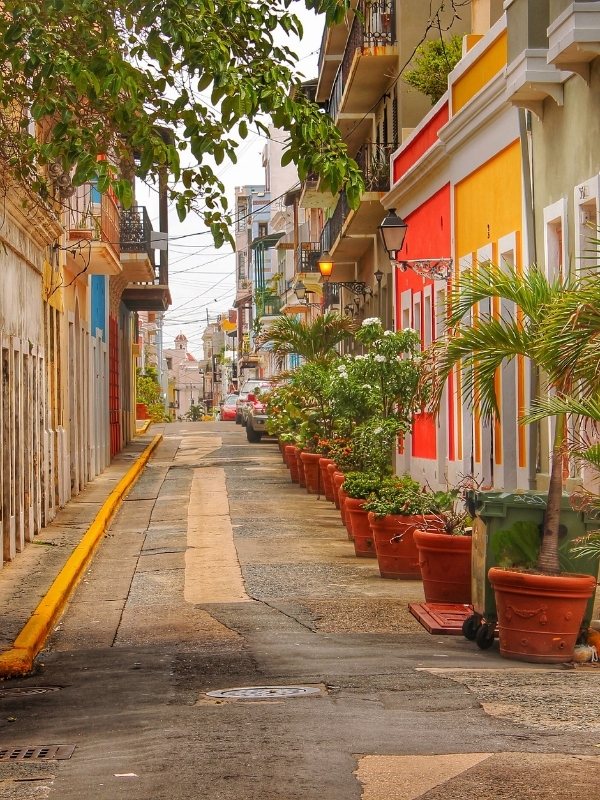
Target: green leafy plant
[
  {"x": 314, "y": 340},
  {"x": 405, "y": 496},
  {"x": 434, "y": 60},
  {"x": 361, "y": 485},
  {"x": 148, "y": 391},
  {"x": 163, "y": 89}
]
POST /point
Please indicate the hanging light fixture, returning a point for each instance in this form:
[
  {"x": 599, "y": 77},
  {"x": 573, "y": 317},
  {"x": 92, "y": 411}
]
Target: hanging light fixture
[
  {"x": 325, "y": 264},
  {"x": 300, "y": 291},
  {"x": 393, "y": 232}
]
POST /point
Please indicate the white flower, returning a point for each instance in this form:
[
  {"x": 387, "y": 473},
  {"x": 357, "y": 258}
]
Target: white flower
[
  {"x": 366, "y": 386},
  {"x": 359, "y": 358},
  {"x": 378, "y": 430},
  {"x": 408, "y": 330},
  {"x": 388, "y": 333},
  {"x": 381, "y": 359},
  {"x": 341, "y": 368},
  {"x": 371, "y": 321}
]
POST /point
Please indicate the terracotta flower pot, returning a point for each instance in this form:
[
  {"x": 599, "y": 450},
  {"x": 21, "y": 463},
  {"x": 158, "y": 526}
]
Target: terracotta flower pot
[
  {"x": 364, "y": 546},
  {"x": 445, "y": 563},
  {"x": 312, "y": 472},
  {"x": 292, "y": 461},
  {"x": 397, "y": 559},
  {"x": 331, "y": 470},
  {"x": 539, "y": 616},
  {"x": 326, "y": 485},
  {"x": 282, "y": 447},
  {"x": 337, "y": 480},
  {"x": 300, "y": 463},
  {"x": 345, "y": 516}
]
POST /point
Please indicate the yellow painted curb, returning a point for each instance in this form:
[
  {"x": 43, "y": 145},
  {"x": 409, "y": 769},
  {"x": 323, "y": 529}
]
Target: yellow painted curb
[
  {"x": 143, "y": 428},
  {"x": 19, "y": 659}
]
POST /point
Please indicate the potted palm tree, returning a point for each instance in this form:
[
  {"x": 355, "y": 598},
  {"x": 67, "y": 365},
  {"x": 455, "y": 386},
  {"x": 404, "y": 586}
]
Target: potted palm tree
[{"x": 540, "y": 610}]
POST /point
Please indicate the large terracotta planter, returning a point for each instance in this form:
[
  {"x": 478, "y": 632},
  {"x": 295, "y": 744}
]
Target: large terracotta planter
[
  {"x": 539, "y": 616},
  {"x": 331, "y": 471},
  {"x": 364, "y": 546},
  {"x": 445, "y": 563},
  {"x": 312, "y": 472},
  {"x": 397, "y": 553},
  {"x": 345, "y": 516},
  {"x": 291, "y": 452},
  {"x": 300, "y": 464},
  {"x": 337, "y": 480},
  {"x": 326, "y": 485}
]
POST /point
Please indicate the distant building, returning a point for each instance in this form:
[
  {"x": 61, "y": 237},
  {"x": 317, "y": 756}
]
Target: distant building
[{"x": 185, "y": 381}]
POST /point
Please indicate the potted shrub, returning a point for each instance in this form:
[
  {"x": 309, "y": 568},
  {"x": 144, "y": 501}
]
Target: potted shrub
[
  {"x": 556, "y": 326},
  {"x": 400, "y": 507},
  {"x": 445, "y": 553},
  {"x": 358, "y": 487}
]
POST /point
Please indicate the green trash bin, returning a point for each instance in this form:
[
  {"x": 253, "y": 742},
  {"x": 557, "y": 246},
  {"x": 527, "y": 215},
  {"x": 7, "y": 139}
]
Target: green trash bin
[{"x": 495, "y": 516}]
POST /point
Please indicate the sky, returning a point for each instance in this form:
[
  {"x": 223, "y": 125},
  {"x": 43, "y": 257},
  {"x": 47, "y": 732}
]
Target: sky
[{"x": 201, "y": 278}]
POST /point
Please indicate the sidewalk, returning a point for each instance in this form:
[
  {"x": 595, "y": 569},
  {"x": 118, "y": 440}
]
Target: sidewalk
[{"x": 27, "y": 579}]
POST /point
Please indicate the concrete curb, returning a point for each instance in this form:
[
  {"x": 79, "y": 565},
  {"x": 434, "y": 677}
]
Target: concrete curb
[
  {"x": 19, "y": 659},
  {"x": 143, "y": 427}
]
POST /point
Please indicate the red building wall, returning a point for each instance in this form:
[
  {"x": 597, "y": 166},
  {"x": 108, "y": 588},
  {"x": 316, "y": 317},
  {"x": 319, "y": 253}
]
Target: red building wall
[{"x": 428, "y": 236}]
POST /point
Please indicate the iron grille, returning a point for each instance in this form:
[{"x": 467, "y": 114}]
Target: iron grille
[
  {"x": 333, "y": 226},
  {"x": 136, "y": 230},
  {"x": 37, "y": 752},
  {"x": 307, "y": 256},
  {"x": 374, "y": 162},
  {"x": 375, "y": 26},
  {"x": 331, "y": 295}
]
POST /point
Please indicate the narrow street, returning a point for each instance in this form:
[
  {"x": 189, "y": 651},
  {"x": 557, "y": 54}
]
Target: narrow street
[{"x": 218, "y": 572}]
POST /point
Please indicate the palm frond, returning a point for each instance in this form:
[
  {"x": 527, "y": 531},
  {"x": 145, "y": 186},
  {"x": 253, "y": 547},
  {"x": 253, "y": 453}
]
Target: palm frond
[
  {"x": 315, "y": 340},
  {"x": 481, "y": 350},
  {"x": 530, "y": 291}
]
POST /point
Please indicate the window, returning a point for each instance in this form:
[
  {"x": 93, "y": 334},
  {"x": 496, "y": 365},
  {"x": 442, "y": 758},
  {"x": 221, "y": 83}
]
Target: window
[
  {"x": 263, "y": 229},
  {"x": 242, "y": 272},
  {"x": 242, "y": 216}
]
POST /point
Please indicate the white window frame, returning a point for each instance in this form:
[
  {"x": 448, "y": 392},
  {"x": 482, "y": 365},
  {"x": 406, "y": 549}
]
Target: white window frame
[
  {"x": 584, "y": 194},
  {"x": 553, "y": 214}
]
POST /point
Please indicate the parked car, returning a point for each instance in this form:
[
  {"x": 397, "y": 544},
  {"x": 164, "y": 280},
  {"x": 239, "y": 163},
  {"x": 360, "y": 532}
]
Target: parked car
[
  {"x": 249, "y": 386},
  {"x": 256, "y": 419},
  {"x": 228, "y": 408}
]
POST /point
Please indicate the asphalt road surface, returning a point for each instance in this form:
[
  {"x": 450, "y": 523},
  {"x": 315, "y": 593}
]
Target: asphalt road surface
[{"x": 220, "y": 573}]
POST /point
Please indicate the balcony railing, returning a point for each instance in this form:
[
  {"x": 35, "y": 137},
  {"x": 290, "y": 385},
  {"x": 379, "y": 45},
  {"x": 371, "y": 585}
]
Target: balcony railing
[
  {"x": 333, "y": 226},
  {"x": 136, "y": 230},
  {"x": 374, "y": 162},
  {"x": 307, "y": 256},
  {"x": 331, "y": 295},
  {"x": 95, "y": 216},
  {"x": 375, "y": 26}
]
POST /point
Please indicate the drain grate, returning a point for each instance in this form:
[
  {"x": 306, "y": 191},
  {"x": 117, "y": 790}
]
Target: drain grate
[
  {"x": 264, "y": 692},
  {"x": 44, "y": 752},
  {"x": 19, "y": 691}
]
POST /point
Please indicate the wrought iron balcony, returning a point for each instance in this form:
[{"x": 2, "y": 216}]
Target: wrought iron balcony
[
  {"x": 95, "y": 218},
  {"x": 372, "y": 29},
  {"x": 331, "y": 295},
  {"x": 307, "y": 256},
  {"x": 136, "y": 230},
  {"x": 374, "y": 162},
  {"x": 333, "y": 227}
]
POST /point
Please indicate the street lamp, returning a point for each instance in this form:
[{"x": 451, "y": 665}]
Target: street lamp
[
  {"x": 325, "y": 265},
  {"x": 301, "y": 291},
  {"x": 393, "y": 232}
]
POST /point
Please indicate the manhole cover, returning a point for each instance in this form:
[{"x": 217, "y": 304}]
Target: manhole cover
[
  {"x": 18, "y": 691},
  {"x": 43, "y": 752},
  {"x": 264, "y": 692}
]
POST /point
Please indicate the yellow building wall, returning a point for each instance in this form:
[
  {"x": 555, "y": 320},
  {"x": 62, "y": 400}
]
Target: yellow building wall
[
  {"x": 480, "y": 73},
  {"x": 487, "y": 203},
  {"x": 488, "y": 206}
]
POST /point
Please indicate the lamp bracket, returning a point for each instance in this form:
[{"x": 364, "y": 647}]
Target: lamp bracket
[
  {"x": 356, "y": 287},
  {"x": 438, "y": 269}
]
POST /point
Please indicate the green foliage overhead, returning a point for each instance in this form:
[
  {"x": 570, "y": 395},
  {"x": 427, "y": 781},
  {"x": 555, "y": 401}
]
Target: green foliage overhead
[
  {"x": 158, "y": 85},
  {"x": 434, "y": 61},
  {"x": 314, "y": 341}
]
